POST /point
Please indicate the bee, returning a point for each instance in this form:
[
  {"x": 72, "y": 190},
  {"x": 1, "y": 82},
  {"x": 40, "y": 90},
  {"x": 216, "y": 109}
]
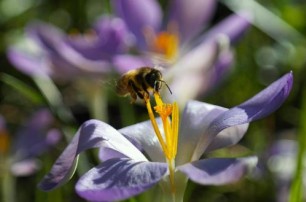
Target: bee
[{"x": 140, "y": 82}]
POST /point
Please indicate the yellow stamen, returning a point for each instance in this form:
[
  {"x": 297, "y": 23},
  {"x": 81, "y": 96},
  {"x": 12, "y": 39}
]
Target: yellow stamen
[
  {"x": 158, "y": 99},
  {"x": 155, "y": 127},
  {"x": 164, "y": 112},
  {"x": 175, "y": 127},
  {"x": 170, "y": 126}
]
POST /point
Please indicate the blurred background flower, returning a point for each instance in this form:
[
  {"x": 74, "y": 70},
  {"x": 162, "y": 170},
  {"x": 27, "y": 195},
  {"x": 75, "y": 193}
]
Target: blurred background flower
[
  {"x": 193, "y": 60},
  {"x": 20, "y": 152},
  {"x": 34, "y": 139},
  {"x": 69, "y": 57}
]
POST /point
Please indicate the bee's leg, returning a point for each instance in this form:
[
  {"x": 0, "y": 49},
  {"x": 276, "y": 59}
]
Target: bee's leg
[
  {"x": 136, "y": 91},
  {"x": 133, "y": 96},
  {"x": 140, "y": 95},
  {"x": 157, "y": 86},
  {"x": 146, "y": 93}
]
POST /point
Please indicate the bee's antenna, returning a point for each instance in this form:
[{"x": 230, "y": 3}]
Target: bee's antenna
[{"x": 166, "y": 85}]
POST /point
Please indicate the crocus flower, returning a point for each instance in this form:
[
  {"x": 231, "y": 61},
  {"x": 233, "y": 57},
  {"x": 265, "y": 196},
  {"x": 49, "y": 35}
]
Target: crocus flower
[
  {"x": 67, "y": 57},
  {"x": 126, "y": 171},
  {"x": 34, "y": 139},
  {"x": 193, "y": 60}
]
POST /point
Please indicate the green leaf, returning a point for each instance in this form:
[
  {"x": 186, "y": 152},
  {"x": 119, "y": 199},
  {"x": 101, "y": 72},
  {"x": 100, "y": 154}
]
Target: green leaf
[{"x": 23, "y": 88}]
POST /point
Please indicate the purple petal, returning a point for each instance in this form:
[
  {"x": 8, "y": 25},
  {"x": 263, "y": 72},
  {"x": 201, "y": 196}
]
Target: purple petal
[
  {"x": 233, "y": 26},
  {"x": 29, "y": 64},
  {"x": 108, "y": 153},
  {"x": 71, "y": 64},
  {"x": 65, "y": 60},
  {"x": 216, "y": 73},
  {"x": 48, "y": 36},
  {"x": 139, "y": 15},
  {"x": 118, "y": 179},
  {"x": 113, "y": 33},
  {"x": 220, "y": 69},
  {"x": 196, "y": 73},
  {"x": 36, "y": 137},
  {"x": 218, "y": 171},
  {"x": 227, "y": 137},
  {"x": 191, "y": 16},
  {"x": 109, "y": 38},
  {"x": 124, "y": 63},
  {"x": 42, "y": 64},
  {"x": 259, "y": 106},
  {"x": 91, "y": 134}
]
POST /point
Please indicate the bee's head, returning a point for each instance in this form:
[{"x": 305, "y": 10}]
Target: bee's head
[{"x": 153, "y": 78}]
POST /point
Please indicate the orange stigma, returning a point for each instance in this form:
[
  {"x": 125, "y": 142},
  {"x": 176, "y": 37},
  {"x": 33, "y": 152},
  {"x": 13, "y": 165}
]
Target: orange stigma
[{"x": 166, "y": 44}]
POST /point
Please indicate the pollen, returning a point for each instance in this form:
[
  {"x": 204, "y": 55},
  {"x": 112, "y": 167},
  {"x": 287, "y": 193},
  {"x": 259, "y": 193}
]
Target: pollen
[{"x": 164, "y": 110}]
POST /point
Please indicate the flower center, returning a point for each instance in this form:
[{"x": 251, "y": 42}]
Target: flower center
[
  {"x": 169, "y": 141},
  {"x": 164, "y": 44}
]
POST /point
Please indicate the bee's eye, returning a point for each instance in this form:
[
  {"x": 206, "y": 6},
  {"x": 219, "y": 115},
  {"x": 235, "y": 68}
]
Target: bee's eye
[{"x": 151, "y": 78}]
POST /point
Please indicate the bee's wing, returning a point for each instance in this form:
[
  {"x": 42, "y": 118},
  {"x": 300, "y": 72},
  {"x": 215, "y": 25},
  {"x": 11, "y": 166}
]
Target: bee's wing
[{"x": 122, "y": 86}]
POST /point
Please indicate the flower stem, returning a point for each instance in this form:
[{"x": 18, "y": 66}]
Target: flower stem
[
  {"x": 171, "y": 165},
  {"x": 54, "y": 98},
  {"x": 7, "y": 184},
  {"x": 296, "y": 190},
  {"x": 98, "y": 102}
]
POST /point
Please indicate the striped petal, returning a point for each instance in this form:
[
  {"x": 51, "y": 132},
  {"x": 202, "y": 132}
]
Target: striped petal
[
  {"x": 191, "y": 16},
  {"x": 91, "y": 134},
  {"x": 218, "y": 171},
  {"x": 139, "y": 15},
  {"x": 259, "y": 106},
  {"x": 118, "y": 179}
]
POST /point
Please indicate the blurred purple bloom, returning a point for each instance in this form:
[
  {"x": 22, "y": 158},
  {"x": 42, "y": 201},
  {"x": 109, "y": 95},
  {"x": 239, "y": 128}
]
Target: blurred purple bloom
[
  {"x": 67, "y": 57},
  {"x": 194, "y": 60},
  {"x": 32, "y": 140},
  {"x": 126, "y": 172},
  {"x": 281, "y": 162}
]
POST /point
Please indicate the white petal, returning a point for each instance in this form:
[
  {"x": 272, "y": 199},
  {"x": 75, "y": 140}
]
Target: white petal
[
  {"x": 196, "y": 118},
  {"x": 142, "y": 135}
]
